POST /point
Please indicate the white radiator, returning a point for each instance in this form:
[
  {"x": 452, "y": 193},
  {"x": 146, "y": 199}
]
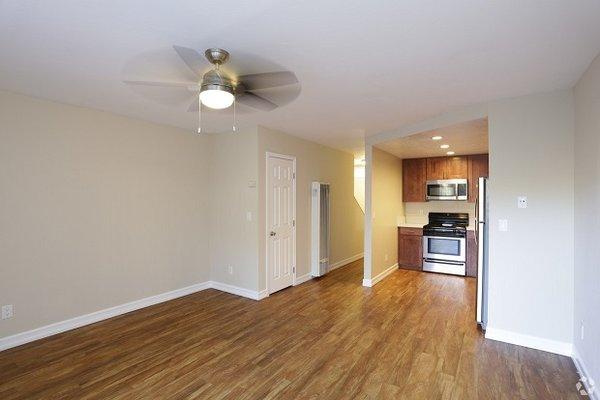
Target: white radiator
[{"x": 320, "y": 229}]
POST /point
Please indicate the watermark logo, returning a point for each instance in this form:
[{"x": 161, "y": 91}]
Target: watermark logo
[{"x": 585, "y": 386}]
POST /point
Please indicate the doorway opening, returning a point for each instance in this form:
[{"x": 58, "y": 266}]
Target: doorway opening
[{"x": 426, "y": 207}]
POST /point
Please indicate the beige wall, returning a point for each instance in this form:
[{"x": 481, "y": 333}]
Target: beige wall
[
  {"x": 587, "y": 221},
  {"x": 387, "y": 209},
  {"x": 531, "y": 265},
  {"x": 96, "y": 210},
  {"x": 314, "y": 162},
  {"x": 234, "y": 194}
]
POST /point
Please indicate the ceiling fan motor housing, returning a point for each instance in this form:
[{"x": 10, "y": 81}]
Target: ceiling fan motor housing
[{"x": 214, "y": 80}]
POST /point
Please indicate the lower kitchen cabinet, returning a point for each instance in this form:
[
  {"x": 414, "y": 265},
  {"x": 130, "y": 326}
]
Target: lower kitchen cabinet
[
  {"x": 471, "y": 254},
  {"x": 410, "y": 248}
]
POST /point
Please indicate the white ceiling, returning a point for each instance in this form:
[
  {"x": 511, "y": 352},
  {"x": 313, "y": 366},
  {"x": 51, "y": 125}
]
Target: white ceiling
[
  {"x": 469, "y": 137},
  {"x": 364, "y": 66}
]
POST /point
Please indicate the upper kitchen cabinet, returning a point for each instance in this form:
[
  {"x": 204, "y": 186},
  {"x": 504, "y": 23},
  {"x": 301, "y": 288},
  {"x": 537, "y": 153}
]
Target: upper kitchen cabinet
[
  {"x": 447, "y": 168},
  {"x": 436, "y": 168},
  {"x": 414, "y": 172},
  {"x": 457, "y": 168},
  {"x": 478, "y": 167}
]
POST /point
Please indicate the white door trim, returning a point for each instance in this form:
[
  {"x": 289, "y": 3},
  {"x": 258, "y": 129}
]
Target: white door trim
[{"x": 269, "y": 154}]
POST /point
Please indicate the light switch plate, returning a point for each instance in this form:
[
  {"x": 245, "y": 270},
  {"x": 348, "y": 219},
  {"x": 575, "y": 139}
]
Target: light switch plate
[
  {"x": 503, "y": 225},
  {"x": 522, "y": 201}
]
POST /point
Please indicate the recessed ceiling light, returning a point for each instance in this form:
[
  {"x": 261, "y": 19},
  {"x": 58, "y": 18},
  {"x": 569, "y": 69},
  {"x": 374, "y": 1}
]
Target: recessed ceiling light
[
  {"x": 436, "y": 138},
  {"x": 450, "y": 153},
  {"x": 444, "y": 146}
]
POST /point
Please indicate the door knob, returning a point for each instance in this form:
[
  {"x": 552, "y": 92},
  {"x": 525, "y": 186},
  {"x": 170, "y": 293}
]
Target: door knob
[{"x": 271, "y": 233}]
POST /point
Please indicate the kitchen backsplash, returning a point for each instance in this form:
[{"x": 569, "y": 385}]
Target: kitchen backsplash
[{"x": 417, "y": 213}]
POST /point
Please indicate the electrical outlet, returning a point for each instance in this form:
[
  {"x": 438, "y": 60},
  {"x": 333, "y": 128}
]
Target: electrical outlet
[
  {"x": 386, "y": 257},
  {"x": 582, "y": 330},
  {"x": 248, "y": 216},
  {"x": 230, "y": 270},
  {"x": 503, "y": 225},
  {"x": 7, "y": 311}
]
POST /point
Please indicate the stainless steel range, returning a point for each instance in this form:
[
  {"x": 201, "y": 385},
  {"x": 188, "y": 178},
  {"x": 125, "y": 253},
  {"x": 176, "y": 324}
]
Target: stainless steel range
[{"x": 445, "y": 243}]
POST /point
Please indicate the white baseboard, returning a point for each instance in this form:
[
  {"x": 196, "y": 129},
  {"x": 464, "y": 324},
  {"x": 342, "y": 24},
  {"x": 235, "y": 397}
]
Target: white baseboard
[
  {"x": 592, "y": 391},
  {"x": 533, "y": 342},
  {"x": 251, "y": 294},
  {"x": 371, "y": 282},
  {"x": 301, "y": 279},
  {"x": 77, "y": 322},
  {"x": 346, "y": 261}
]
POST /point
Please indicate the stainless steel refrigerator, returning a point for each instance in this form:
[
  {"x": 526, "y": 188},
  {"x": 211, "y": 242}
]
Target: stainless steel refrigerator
[{"x": 482, "y": 237}]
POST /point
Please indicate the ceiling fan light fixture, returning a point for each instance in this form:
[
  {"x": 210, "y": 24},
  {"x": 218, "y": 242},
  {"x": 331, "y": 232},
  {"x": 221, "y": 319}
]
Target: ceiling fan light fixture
[{"x": 218, "y": 97}]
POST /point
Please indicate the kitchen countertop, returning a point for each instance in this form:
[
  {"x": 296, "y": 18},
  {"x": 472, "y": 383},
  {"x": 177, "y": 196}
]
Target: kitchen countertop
[{"x": 471, "y": 227}]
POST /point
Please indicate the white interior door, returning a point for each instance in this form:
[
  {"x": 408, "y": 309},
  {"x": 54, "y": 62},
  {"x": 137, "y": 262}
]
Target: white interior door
[{"x": 281, "y": 225}]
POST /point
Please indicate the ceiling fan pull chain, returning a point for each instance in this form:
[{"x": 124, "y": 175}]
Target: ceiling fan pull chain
[
  {"x": 199, "y": 115},
  {"x": 234, "y": 128}
]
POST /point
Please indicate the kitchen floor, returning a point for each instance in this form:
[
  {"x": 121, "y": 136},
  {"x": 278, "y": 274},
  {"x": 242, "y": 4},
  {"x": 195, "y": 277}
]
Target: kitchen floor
[{"x": 412, "y": 336}]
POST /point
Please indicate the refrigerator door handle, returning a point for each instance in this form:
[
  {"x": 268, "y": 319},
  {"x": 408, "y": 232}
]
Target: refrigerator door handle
[{"x": 477, "y": 219}]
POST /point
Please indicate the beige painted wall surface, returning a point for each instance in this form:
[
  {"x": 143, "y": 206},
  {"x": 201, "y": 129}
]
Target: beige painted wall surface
[
  {"x": 587, "y": 220},
  {"x": 387, "y": 209},
  {"x": 314, "y": 162},
  {"x": 234, "y": 239},
  {"x": 531, "y": 265},
  {"x": 96, "y": 210}
]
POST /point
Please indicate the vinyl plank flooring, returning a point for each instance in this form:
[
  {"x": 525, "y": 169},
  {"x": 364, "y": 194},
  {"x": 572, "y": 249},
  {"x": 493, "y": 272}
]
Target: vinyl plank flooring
[{"x": 412, "y": 336}]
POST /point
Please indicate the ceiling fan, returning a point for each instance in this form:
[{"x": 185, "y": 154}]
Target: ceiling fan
[{"x": 219, "y": 90}]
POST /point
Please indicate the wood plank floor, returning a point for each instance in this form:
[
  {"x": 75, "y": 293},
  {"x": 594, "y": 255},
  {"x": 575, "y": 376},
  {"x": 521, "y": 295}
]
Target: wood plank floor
[{"x": 412, "y": 336}]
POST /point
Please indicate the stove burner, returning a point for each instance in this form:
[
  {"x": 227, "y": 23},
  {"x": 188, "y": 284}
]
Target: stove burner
[{"x": 447, "y": 224}]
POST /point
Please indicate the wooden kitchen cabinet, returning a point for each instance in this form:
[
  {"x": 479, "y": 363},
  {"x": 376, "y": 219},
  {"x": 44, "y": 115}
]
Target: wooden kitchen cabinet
[
  {"x": 417, "y": 171},
  {"x": 436, "y": 168},
  {"x": 457, "y": 168},
  {"x": 471, "y": 254},
  {"x": 414, "y": 173},
  {"x": 447, "y": 168},
  {"x": 410, "y": 248},
  {"x": 478, "y": 166}
]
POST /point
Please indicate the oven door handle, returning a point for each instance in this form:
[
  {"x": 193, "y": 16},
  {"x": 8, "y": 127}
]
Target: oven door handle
[{"x": 443, "y": 262}]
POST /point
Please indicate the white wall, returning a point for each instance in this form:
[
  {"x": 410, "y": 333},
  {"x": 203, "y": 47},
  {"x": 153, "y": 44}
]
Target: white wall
[
  {"x": 96, "y": 210},
  {"x": 587, "y": 221},
  {"x": 314, "y": 162},
  {"x": 531, "y": 265}
]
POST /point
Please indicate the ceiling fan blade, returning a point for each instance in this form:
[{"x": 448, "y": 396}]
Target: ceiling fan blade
[
  {"x": 194, "y": 105},
  {"x": 254, "y": 101},
  {"x": 186, "y": 85},
  {"x": 192, "y": 59},
  {"x": 268, "y": 80}
]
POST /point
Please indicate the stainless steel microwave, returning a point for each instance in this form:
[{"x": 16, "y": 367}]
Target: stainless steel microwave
[{"x": 447, "y": 189}]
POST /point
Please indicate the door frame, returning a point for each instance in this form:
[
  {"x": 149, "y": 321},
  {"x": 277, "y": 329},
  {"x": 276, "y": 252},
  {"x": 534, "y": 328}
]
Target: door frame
[{"x": 268, "y": 155}]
